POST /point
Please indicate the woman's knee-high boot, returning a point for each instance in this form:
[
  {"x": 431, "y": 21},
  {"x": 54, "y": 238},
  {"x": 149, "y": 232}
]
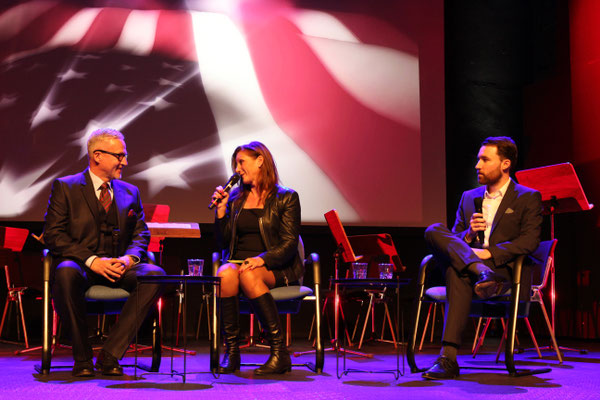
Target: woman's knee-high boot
[
  {"x": 266, "y": 310},
  {"x": 230, "y": 318}
]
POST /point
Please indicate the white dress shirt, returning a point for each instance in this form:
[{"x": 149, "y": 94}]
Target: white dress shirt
[{"x": 491, "y": 202}]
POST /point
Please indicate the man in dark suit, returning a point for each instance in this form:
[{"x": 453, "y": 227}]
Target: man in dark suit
[
  {"x": 483, "y": 244},
  {"x": 96, "y": 231}
]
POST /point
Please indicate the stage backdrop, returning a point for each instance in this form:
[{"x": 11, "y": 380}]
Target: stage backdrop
[{"x": 348, "y": 95}]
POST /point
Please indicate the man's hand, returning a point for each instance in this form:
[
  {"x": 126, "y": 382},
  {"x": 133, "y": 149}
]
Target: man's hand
[
  {"x": 251, "y": 263},
  {"x": 483, "y": 254},
  {"x": 477, "y": 224},
  {"x": 127, "y": 262},
  {"x": 110, "y": 268}
]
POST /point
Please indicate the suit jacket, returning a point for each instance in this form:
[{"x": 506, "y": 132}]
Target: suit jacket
[
  {"x": 72, "y": 219},
  {"x": 517, "y": 225}
]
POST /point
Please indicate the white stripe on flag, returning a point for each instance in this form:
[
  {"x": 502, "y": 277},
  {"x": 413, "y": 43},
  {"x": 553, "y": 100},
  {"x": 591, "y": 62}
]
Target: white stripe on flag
[
  {"x": 241, "y": 115},
  {"x": 139, "y": 32}
]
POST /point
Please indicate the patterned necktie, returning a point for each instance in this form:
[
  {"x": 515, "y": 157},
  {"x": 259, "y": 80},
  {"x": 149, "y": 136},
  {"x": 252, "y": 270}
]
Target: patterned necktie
[{"x": 105, "y": 199}]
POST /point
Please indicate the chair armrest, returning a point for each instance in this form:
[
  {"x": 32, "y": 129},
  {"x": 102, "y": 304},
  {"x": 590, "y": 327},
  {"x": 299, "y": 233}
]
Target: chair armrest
[
  {"x": 316, "y": 263},
  {"x": 518, "y": 268},
  {"x": 216, "y": 262},
  {"x": 47, "y": 265},
  {"x": 151, "y": 257}
]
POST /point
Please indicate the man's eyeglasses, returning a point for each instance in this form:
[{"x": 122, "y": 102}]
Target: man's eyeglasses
[{"x": 118, "y": 156}]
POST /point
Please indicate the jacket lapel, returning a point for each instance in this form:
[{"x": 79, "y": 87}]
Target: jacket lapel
[
  {"x": 118, "y": 200},
  {"x": 87, "y": 187},
  {"x": 509, "y": 197}
]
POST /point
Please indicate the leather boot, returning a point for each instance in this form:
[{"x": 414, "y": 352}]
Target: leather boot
[
  {"x": 230, "y": 318},
  {"x": 279, "y": 362}
]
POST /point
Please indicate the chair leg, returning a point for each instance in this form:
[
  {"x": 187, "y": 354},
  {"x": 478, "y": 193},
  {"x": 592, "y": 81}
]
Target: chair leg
[
  {"x": 369, "y": 310},
  {"x": 477, "y": 329},
  {"x": 250, "y": 342},
  {"x": 362, "y": 303},
  {"x": 23, "y": 319},
  {"x": 389, "y": 320},
  {"x": 6, "y": 304},
  {"x": 433, "y": 318},
  {"x": 156, "y": 342},
  {"x": 482, "y": 337},
  {"x": 551, "y": 331},
  {"x": 288, "y": 330},
  {"x": 531, "y": 334},
  {"x": 425, "y": 328}
]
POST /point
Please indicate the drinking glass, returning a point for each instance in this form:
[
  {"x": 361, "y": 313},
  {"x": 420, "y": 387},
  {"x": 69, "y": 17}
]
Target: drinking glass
[
  {"x": 359, "y": 270},
  {"x": 195, "y": 266},
  {"x": 386, "y": 271}
]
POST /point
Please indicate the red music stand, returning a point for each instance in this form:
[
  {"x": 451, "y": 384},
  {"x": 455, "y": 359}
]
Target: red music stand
[
  {"x": 561, "y": 193},
  {"x": 374, "y": 249},
  {"x": 343, "y": 252}
]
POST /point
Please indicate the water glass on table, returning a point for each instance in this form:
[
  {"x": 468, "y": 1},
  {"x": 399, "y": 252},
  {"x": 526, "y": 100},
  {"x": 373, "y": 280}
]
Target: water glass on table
[
  {"x": 195, "y": 266},
  {"x": 386, "y": 271},
  {"x": 359, "y": 270}
]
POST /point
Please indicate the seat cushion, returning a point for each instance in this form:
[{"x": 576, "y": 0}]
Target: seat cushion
[
  {"x": 437, "y": 293},
  {"x": 105, "y": 293},
  {"x": 290, "y": 292}
]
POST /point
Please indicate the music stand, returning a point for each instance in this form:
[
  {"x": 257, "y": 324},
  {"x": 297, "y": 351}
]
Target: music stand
[
  {"x": 561, "y": 193},
  {"x": 343, "y": 252}
]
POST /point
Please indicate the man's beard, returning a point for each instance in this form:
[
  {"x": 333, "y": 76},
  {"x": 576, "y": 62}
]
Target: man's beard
[{"x": 490, "y": 180}]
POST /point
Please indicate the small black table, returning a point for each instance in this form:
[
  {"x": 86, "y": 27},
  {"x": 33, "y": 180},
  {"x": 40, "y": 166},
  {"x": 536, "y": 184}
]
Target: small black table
[
  {"x": 183, "y": 281},
  {"x": 369, "y": 283}
]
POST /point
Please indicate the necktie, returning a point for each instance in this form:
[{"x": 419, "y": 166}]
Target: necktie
[{"x": 105, "y": 199}]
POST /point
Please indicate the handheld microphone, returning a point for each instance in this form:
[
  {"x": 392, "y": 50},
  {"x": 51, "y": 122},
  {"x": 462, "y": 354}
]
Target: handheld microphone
[
  {"x": 232, "y": 181},
  {"x": 478, "y": 202}
]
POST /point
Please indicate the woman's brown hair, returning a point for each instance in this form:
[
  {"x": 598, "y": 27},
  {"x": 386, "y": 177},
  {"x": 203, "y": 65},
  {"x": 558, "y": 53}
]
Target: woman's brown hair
[{"x": 268, "y": 177}]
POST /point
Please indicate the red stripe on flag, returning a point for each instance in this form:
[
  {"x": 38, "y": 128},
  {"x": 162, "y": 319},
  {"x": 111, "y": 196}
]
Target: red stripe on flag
[
  {"x": 175, "y": 35},
  {"x": 105, "y": 31}
]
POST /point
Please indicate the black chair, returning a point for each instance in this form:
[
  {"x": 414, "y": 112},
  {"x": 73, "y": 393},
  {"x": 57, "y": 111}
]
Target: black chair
[
  {"x": 289, "y": 300},
  {"x": 511, "y": 306},
  {"x": 541, "y": 259},
  {"x": 101, "y": 300}
]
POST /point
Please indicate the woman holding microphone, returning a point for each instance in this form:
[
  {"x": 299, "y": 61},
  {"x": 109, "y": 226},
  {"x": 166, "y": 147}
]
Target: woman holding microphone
[{"x": 258, "y": 229}]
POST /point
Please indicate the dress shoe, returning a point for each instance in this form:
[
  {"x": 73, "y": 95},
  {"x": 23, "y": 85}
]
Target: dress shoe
[
  {"x": 490, "y": 284},
  {"x": 443, "y": 368},
  {"x": 108, "y": 364},
  {"x": 83, "y": 369}
]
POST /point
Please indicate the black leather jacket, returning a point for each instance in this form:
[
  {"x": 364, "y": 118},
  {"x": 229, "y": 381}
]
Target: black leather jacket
[{"x": 279, "y": 229}]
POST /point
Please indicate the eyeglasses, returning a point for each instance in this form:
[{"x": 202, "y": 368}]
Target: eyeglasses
[{"x": 118, "y": 156}]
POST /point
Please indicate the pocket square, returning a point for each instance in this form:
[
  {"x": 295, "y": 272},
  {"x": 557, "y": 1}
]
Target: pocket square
[
  {"x": 509, "y": 211},
  {"x": 131, "y": 213}
]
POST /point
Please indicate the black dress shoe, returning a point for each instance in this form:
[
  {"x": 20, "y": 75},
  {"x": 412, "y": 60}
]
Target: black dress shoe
[
  {"x": 443, "y": 368},
  {"x": 108, "y": 364},
  {"x": 83, "y": 369},
  {"x": 490, "y": 284}
]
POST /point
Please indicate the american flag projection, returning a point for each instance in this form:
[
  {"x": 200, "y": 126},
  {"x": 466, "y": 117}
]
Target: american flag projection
[{"x": 347, "y": 95}]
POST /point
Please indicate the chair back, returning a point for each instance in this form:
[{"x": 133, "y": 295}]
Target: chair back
[{"x": 541, "y": 260}]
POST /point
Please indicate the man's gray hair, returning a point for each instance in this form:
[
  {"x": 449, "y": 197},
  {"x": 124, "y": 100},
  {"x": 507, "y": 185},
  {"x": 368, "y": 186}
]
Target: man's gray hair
[{"x": 100, "y": 135}]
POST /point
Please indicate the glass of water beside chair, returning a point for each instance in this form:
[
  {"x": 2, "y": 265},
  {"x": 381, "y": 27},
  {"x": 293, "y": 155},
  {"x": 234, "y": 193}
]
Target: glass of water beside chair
[
  {"x": 359, "y": 270},
  {"x": 195, "y": 266}
]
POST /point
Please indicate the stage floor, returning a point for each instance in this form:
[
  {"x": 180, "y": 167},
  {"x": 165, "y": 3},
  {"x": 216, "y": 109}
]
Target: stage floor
[{"x": 577, "y": 378}]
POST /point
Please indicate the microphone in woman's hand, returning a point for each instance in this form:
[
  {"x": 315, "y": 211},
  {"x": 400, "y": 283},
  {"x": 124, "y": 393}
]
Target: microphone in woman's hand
[{"x": 232, "y": 181}]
